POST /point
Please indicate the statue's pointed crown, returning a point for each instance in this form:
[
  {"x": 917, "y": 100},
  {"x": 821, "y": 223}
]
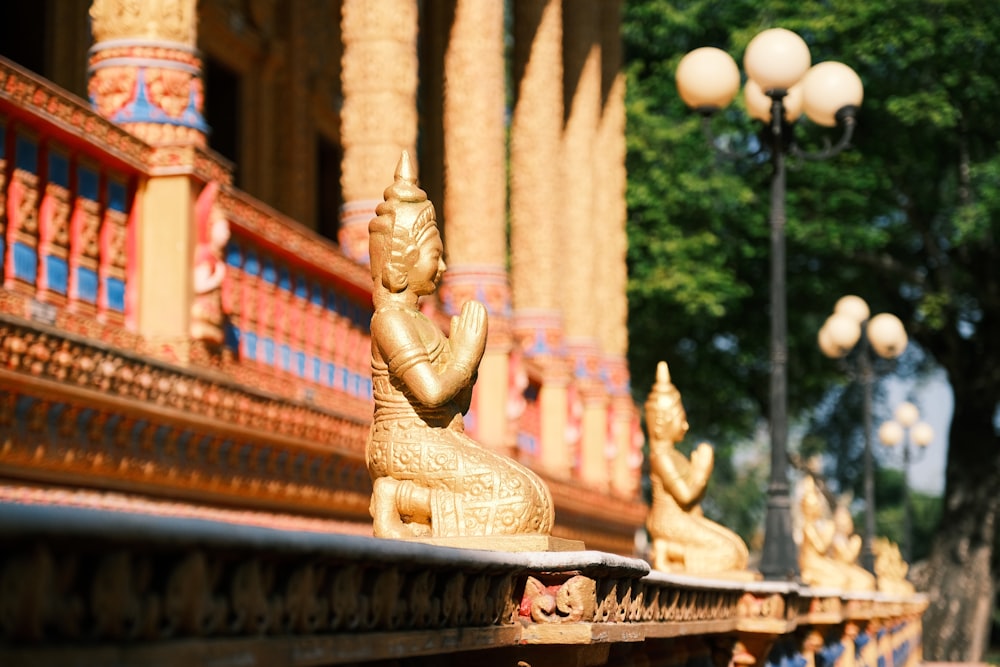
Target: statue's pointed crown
[
  {"x": 406, "y": 205},
  {"x": 663, "y": 394},
  {"x": 404, "y": 189}
]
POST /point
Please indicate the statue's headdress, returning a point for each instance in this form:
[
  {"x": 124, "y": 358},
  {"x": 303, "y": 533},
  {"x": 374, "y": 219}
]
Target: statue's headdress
[
  {"x": 664, "y": 400},
  {"x": 404, "y": 216},
  {"x": 664, "y": 396}
]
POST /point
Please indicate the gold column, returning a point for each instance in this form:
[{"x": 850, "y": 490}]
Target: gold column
[
  {"x": 475, "y": 198},
  {"x": 166, "y": 246},
  {"x": 581, "y": 249},
  {"x": 379, "y": 113},
  {"x": 144, "y": 71},
  {"x": 145, "y": 74},
  {"x": 611, "y": 214},
  {"x": 535, "y": 207}
]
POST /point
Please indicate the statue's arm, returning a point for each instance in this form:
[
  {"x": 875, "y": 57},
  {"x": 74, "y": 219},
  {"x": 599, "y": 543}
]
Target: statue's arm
[
  {"x": 686, "y": 487},
  {"x": 819, "y": 538},
  {"x": 400, "y": 346},
  {"x": 853, "y": 547}
]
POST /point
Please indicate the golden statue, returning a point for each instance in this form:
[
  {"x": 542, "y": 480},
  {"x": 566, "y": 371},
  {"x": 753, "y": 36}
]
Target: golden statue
[
  {"x": 890, "y": 568},
  {"x": 683, "y": 539},
  {"x": 430, "y": 479},
  {"x": 846, "y": 548},
  {"x": 829, "y": 548},
  {"x": 817, "y": 568}
]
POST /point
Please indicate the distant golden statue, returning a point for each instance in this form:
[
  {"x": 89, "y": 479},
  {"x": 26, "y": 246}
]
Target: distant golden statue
[
  {"x": 429, "y": 478},
  {"x": 683, "y": 539},
  {"x": 890, "y": 568},
  {"x": 846, "y": 548},
  {"x": 829, "y": 548}
]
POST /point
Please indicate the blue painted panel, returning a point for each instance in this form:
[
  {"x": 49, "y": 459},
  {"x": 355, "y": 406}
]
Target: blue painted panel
[
  {"x": 86, "y": 183},
  {"x": 268, "y": 272},
  {"x": 26, "y": 154},
  {"x": 330, "y": 374},
  {"x": 87, "y": 282},
  {"x": 317, "y": 368},
  {"x": 316, "y": 294},
  {"x": 300, "y": 364},
  {"x": 116, "y": 294},
  {"x": 117, "y": 195},
  {"x": 58, "y": 274},
  {"x": 268, "y": 351},
  {"x": 231, "y": 334},
  {"x": 284, "y": 278},
  {"x": 234, "y": 257},
  {"x": 285, "y": 357},
  {"x": 59, "y": 169},
  {"x": 25, "y": 263},
  {"x": 252, "y": 264},
  {"x": 251, "y": 347}
]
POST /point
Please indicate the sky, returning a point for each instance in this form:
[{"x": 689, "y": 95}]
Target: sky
[{"x": 933, "y": 397}]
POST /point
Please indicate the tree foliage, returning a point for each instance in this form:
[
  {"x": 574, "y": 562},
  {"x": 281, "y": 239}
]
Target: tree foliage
[{"x": 905, "y": 219}]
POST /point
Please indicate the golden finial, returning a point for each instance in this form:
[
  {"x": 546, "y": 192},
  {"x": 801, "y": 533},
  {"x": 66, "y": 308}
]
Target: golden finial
[
  {"x": 405, "y": 188},
  {"x": 663, "y": 394},
  {"x": 662, "y": 375}
]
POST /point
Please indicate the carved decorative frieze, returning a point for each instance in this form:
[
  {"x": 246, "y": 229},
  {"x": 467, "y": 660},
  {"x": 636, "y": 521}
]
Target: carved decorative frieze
[
  {"x": 166, "y": 429},
  {"x": 294, "y": 240},
  {"x": 568, "y": 601},
  {"x": 240, "y": 588},
  {"x": 57, "y": 107}
]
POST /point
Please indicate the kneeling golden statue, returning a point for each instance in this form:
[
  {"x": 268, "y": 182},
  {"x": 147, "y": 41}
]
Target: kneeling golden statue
[
  {"x": 829, "y": 548},
  {"x": 890, "y": 568},
  {"x": 683, "y": 539},
  {"x": 430, "y": 479}
]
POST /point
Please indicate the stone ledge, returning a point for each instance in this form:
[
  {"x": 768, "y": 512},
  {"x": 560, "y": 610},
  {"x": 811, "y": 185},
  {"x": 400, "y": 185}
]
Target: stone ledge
[{"x": 85, "y": 586}]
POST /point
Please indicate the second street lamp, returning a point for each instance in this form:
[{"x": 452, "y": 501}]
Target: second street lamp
[
  {"x": 904, "y": 428},
  {"x": 850, "y": 333},
  {"x": 780, "y": 86}
]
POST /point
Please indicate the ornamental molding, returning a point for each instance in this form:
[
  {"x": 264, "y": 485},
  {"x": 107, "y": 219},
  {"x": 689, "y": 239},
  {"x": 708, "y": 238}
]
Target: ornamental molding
[
  {"x": 72, "y": 411},
  {"x": 295, "y": 242},
  {"x": 138, "y": 578},
  {"x": 71, "y": 115}
]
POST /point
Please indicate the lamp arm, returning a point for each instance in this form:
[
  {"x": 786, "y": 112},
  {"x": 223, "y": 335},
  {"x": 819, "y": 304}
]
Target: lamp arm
[{"x": 830, "y": 150}]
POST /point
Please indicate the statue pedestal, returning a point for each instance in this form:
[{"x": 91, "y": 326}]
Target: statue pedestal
[{"x": 506, "y": 543}]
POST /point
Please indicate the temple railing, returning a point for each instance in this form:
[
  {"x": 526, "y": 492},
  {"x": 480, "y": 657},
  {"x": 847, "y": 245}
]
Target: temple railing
[
  {"x": 68, "y": 206},
  {"x": 102, "y": 383},
  {"x": 92, "y": 395},
  {"x": 298, "y": 310},
  {"x": 145, "y": 589}
]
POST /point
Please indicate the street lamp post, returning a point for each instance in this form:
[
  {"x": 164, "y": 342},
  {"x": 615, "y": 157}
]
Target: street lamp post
[
  {"x": 851, "y": 332},
  {"x": 903, "y": 428},
  {"x": 780, "y": 86}
]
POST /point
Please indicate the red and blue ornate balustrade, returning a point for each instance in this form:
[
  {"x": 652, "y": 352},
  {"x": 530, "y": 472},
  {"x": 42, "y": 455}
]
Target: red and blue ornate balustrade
[
  {"x": 298, "y": 310},
  {"x": 68, "y": 180}
]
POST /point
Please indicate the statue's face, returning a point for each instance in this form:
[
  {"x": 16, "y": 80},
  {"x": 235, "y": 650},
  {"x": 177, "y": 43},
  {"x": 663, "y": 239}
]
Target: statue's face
[
  {"x": 667, "y": 422},
  {"x": 425, "y": 273}
]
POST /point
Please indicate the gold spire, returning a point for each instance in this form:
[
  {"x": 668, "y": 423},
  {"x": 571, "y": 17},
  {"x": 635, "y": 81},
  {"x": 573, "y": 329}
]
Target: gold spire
[
  {"x": 664, "y": 394},
  {"x": 405, "y": 188}
]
